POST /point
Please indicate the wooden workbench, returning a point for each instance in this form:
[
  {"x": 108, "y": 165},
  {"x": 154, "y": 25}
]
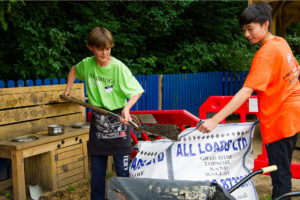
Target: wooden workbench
[{"x": 51, "y": 161}]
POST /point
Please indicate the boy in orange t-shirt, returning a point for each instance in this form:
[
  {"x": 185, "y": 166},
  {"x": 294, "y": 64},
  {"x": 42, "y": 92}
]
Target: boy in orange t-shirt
[{"x": 274, "y": 76}]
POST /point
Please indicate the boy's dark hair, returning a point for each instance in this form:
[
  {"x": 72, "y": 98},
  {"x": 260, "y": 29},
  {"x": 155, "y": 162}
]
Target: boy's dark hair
[
  {"x": 259, "y": 13},
  {"x": 100, "y": 37}
]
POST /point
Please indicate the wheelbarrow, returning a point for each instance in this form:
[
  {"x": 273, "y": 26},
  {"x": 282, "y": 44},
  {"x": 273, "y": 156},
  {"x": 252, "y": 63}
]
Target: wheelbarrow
[
  {"x": 121, "y": 188},
  {"x": 290, "y": 194}
]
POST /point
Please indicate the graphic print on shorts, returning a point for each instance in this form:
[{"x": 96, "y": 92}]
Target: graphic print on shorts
[{"x": 108, "y": 128}]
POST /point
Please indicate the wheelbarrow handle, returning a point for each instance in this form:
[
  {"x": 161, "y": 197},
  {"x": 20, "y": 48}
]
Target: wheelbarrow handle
[
  {"x": 290, "y": 194},
  {"x": 269, "y": 169},
  {"x": 249, "y": 176}
]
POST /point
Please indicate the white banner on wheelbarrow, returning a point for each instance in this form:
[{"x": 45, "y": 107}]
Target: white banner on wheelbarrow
[{"x": 223, "y": 156}]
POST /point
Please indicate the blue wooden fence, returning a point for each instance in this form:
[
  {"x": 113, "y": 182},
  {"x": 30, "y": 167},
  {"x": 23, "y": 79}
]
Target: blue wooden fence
[
  {"x": 179, "y": 91},
  {"x": 150, "y": 99},
  {"x": 189, "y": 91},
  {"x": 233, "y": 81}
]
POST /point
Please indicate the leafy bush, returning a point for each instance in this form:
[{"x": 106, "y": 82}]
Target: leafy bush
[
  {"x": 294, "y": 42},
  {"x": 44, "y": 39}
]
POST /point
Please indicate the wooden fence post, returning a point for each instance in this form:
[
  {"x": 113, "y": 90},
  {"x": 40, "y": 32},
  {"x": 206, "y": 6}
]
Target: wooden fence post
[{"x": 160, "y": 88}]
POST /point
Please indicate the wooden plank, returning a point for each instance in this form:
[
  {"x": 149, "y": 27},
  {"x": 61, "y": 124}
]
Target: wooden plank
[
  {"x": 86, "y": 161},
  {"x": 21, "y": 114},
  {"x": 51, "y": 181},
  {"x": 69, "y": 148},
  {"x": 70, "y": 160},
  {"x": 43, "y": 88},
  {"x": 5, "y": 184},
  {"x": 35, "y": 98},
  {"x": 67, "y": 120},
  {"x": 160, "y": 89},
  {"x": 14, "y": 130},
  {"x": 18, "y": 175},
  {"x": 166, "y": 91},
  {"x": 4, "y": 154},
  {"x": 70, "y": 180},
  {"x": 70, "y": 173},
  {"x": 71, "y": 153},
  {"x": 36, "y": 112},
  {"x": 61, "y": 109},
  {"x": 32, "y": 169},
  {"x": 32, "y": 127},
  {"x": 71, "y": 166}
]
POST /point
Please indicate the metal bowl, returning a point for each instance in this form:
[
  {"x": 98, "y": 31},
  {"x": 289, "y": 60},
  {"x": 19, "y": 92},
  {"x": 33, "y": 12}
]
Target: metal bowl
[
  {"x": 82, "y": 125},
  {"x": 25, "y": 138},
  {"x": 56, "y": 129}
]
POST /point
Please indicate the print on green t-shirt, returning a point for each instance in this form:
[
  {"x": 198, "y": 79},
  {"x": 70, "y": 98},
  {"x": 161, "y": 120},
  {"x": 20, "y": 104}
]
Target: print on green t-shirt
[{"x": 109, "y": 86}]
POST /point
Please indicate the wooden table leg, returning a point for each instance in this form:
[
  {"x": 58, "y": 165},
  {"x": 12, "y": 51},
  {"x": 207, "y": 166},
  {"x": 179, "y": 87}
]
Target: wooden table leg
[
  {"x": 18, "y": 176},
  {"x": 85, "y": 152}
]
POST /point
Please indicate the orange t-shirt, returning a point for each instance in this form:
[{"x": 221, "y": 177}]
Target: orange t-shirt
[{"x": 274, "y": 76}]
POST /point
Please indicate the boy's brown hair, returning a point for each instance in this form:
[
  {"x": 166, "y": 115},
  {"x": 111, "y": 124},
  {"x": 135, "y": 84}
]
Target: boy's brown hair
[{"x": 101, "y": 38}]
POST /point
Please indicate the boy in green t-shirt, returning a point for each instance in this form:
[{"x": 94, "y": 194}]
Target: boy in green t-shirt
[{"x": 108, "y": 82}]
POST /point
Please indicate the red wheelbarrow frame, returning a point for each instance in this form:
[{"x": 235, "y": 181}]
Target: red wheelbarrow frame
[{"x": 215, "y": 103}]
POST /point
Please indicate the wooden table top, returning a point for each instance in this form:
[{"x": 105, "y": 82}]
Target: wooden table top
[{"x": 43, "y": 138}]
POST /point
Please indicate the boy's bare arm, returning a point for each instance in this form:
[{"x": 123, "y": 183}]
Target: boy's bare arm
[
  {"x": 71, "y": 79},
  {"x": 238, "y": 99},
  {"x": 125, "y": 112}
]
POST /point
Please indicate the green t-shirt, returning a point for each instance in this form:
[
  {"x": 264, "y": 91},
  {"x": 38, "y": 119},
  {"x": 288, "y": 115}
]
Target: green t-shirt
[{"x": 109, "y": 86}]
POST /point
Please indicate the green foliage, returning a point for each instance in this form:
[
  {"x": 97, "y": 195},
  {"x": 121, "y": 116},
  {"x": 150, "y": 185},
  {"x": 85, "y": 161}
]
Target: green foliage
[
  {"x": 144, "y": 65},
  {"x": 45, "y": 48},
  {"x": 7, "y": 194},
  {"x": 44, "y": 39},
  {"x": 268, "y": 197},
  {"x": 109, "y": 175},
  {"x": 70, "y": 188},
  {"x": 294, "y": 41},
  {"x": 5, "y": 7}
]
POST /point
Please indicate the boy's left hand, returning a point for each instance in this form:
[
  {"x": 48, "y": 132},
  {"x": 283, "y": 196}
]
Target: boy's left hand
[{"x": 125, "y": 116}]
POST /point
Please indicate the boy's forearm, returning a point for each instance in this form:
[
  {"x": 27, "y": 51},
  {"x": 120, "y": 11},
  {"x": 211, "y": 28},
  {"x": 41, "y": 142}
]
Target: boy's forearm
[
  {"x": 238, "y": 99},
  {"x": 132, "y": 101},
  {"x": 71, "y": 79}
]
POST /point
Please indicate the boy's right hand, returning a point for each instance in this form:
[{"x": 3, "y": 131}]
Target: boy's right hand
[
  {"x": 66, "y": 93},
  {"x": 208, "y": 126}
]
